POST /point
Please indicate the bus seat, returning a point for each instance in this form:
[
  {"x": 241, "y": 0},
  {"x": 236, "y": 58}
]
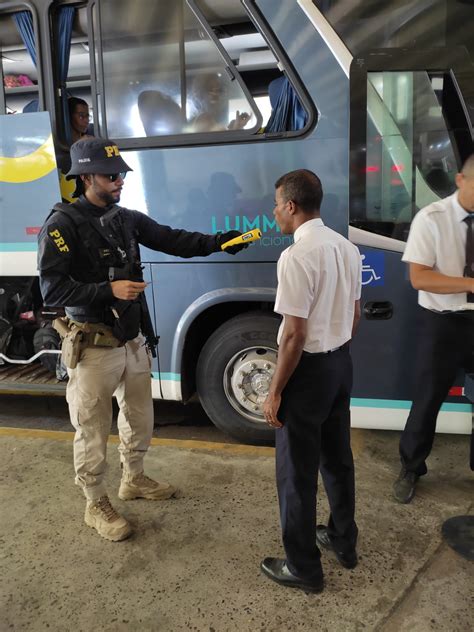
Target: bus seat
[
  {"x": 31, "y": 106},
  {"x": 159, "y": 114}
]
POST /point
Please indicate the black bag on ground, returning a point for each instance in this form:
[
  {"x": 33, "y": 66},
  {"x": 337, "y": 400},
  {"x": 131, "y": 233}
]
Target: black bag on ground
[{"x": 46, "y": 337}]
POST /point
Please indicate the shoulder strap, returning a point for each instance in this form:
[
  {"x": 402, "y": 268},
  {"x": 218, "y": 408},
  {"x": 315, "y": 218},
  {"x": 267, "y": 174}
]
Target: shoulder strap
[{"x": 71, "y": 211}]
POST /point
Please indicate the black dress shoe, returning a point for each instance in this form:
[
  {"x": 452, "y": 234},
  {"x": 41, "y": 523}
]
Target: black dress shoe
[
  {"x": 404, "y": 486},
  {"x": 347, "y": 559},
  {"x": 277, "y": 570}
]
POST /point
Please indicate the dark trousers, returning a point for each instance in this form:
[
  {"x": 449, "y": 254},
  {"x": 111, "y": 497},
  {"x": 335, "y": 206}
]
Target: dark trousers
[
  {"x": 316, "y": 435},
  {"x": 445, "y": 344}
]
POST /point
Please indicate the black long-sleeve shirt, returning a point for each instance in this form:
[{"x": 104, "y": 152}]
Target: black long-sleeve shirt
[{"x": 61, "y": 255}]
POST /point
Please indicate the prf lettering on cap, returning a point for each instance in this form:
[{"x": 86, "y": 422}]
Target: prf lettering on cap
[
  {"x": 112, "y": 150},
  {"x": 59, "y": 240}
]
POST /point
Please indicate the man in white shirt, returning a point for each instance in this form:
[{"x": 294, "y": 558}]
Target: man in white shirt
[
  {"x": 319, "y": 284},
  {"x": 440, "y": 251}
]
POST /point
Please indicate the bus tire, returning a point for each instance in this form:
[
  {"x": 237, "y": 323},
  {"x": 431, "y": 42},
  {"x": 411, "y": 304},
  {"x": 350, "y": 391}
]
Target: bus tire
[{"x": 234, "y": 371}]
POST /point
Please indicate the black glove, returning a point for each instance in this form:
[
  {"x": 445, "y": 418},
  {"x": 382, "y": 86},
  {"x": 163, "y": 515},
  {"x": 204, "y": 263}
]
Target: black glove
[{"x": 231, "y": 234}]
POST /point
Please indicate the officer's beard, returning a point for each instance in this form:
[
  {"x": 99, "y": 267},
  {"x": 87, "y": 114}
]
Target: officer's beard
[{"x": 107, "y": 197}]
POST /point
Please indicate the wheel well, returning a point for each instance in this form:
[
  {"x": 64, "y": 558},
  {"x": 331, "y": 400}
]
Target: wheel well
[{"x": 202, "y": 328}]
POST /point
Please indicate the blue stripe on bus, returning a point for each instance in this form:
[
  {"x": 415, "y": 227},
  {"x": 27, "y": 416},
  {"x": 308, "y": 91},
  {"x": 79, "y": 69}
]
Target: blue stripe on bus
[
  {"x": 405, "y": 405},
  {"x": 19, "y": 247}
]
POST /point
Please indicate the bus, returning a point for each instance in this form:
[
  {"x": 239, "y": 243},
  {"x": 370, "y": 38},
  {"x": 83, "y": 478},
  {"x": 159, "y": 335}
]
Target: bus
[{"x": 375, "y": 97}]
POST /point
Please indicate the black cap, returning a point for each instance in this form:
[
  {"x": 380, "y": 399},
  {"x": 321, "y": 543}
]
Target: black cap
[{"x": 96, "y": 155}]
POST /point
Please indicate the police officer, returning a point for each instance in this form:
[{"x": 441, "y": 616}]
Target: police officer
[{"x": 89, "y": 262}]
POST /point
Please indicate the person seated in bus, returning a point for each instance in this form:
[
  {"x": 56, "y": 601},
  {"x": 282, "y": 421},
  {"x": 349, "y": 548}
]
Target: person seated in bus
[
  {"x": 79, "y": 118},
  {"x": 208, "y": 94}
]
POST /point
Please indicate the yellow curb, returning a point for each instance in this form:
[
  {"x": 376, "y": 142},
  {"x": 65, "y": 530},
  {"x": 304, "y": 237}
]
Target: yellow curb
[{"x": 183, "y": 444}]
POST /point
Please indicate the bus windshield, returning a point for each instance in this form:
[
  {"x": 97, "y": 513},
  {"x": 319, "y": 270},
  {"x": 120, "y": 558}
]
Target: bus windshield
[{"x": 370, "y": 24}]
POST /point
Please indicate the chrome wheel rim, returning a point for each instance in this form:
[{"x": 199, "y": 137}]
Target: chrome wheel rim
[{"x": 247, "y": 378}]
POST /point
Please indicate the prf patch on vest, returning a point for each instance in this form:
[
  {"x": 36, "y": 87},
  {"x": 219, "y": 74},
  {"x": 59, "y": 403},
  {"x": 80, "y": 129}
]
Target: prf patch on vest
[
  {"x": 111, "y": 151},
  {"x": 58, "y": 240}
]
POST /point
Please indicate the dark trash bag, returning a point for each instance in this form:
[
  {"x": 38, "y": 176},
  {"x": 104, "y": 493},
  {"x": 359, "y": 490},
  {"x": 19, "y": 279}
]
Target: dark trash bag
[
  {"x": 47, "y": 338},
  {"x": 6, "y": 327},
  {"x": 5, "y": 334}
]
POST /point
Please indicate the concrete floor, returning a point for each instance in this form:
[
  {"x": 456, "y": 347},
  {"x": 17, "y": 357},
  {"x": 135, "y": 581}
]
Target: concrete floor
[{"x": 193, "y": 562}]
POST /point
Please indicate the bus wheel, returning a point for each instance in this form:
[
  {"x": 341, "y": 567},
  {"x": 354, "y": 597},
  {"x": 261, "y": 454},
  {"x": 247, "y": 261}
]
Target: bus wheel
[{"x": 234, "y": 371}]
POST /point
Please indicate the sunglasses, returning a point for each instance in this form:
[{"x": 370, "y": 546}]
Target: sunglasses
[{"x": 113, "y": 177}]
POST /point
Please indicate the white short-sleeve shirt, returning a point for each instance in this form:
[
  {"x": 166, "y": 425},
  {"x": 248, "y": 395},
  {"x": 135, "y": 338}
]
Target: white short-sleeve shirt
[
  {"x": 438, "y": 239},
  {"x": 319, "y": 278}
]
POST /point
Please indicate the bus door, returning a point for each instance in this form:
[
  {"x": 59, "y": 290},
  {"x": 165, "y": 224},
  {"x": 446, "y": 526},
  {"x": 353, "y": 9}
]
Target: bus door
[{"x": 410, "y": 133}]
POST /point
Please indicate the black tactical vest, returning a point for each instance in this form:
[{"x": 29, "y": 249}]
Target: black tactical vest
[
  {"x": 101, "y": 243},
  {"x": 104, "y": 243}
]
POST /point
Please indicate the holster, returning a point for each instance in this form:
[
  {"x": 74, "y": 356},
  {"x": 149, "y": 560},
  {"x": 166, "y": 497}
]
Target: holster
[
  {"x": 71, "y": 345},
  {"x": 78, "y": 336}
]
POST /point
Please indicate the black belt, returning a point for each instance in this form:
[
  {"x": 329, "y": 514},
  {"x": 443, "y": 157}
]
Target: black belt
[
  {"x": 321, "y": 353},
  {"x": 463, "y": 313}
]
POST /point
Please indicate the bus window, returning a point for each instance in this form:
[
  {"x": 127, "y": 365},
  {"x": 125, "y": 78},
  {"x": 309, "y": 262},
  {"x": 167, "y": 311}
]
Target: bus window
[
  {"x": 163, "y": 74},
  {"x": 410, "y": 160},
  {"x": 245, "y": 45},
  {"x": 20, "y": 78},
  {"x": 274, "y": 92}
]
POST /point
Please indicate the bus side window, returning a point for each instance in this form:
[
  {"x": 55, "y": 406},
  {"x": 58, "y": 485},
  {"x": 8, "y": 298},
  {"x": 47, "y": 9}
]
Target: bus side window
[
  {"x": 166, "y": 54},
  {"x": 20, "y": 78},
  {"x": 176, "y": 68}
]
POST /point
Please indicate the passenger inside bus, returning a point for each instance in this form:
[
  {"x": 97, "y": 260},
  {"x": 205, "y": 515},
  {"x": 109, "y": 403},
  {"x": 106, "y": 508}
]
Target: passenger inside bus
[
  {"x": 79, "y": 118},
  {"x": 211, "y": 105}
]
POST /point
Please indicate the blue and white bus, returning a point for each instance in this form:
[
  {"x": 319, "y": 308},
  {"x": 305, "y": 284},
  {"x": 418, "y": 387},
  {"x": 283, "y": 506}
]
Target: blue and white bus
[{"x": 375, "y": 97}]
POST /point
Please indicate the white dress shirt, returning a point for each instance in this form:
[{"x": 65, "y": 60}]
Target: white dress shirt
[
  {"x": 438, "y": 239},
  {"x": 319, "y": 278}
]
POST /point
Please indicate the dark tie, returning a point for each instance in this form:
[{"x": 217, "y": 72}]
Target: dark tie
[{"x": 469, "y": 269}]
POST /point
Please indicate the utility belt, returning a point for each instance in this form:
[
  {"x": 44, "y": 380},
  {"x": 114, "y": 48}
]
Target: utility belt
[{"x": 78, "y": 336}]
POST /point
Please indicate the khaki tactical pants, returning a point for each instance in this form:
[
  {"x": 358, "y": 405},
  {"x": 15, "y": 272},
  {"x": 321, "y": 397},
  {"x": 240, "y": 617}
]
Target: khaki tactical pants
[{"x": 101, "y": 373}]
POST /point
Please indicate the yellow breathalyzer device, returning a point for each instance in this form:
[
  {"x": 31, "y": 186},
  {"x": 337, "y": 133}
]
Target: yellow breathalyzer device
[{"x": 245, "y": 238}]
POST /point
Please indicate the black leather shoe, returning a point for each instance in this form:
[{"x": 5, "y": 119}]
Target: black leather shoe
[
  {"x": 404, "y": 486},
  {"x": 277, "y": 570},
  {"x": 347, "y": 559}
]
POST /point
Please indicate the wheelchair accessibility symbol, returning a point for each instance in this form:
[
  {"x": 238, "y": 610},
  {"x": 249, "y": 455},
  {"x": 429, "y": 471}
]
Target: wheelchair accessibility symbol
[{"x": 373, "y": 268}]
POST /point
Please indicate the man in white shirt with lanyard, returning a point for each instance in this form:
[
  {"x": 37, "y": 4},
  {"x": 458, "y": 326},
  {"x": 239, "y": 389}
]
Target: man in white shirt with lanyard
[
  {"x": 440, "y": 251},
  {"x": 319, "y": 285}
]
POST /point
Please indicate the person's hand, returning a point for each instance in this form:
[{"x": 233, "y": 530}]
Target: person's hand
[
  {"x": 127, "y": 290},
  {"x": 240, "y": 120},
  {"x": 231, "y": 234},
  {"x": 270, "y": 410}
]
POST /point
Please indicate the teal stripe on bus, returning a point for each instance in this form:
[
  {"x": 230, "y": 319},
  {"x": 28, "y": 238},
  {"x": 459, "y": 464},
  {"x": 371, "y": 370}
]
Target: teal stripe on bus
[
  {"x": 19, "y": 247},
  {"x": 170, "y": 377}
]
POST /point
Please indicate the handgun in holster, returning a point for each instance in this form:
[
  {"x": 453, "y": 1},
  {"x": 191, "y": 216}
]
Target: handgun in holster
[{"x": 71, "y": 346}]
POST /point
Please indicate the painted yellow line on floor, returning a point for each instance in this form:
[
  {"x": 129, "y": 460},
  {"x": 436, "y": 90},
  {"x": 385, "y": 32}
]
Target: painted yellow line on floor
[{"x": 184, "y": 444}]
